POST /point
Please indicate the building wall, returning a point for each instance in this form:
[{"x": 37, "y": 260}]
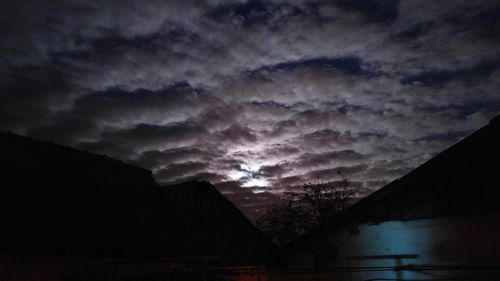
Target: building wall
[
  {"x": 435, "y": 248},
  {"x": 17, "y": 267}
]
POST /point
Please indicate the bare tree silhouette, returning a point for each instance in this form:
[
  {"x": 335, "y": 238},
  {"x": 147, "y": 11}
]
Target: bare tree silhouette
[{"x": 299, "y": 212}]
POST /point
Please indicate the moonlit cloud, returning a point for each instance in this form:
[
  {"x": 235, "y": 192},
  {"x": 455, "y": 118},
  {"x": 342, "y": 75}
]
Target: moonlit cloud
[{"x": 256, "y": 96}]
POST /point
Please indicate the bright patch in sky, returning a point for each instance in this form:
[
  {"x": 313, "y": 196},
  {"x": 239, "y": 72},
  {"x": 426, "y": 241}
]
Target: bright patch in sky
[
  {"x": 256, "y": 182},
  {"x": 236, "y": 175},
  {"x": 249, "y": 174},
  {"x": 250, "y": 167}
]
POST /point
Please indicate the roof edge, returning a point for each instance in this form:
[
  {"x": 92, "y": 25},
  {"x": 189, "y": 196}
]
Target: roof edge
[{"x": 74, "y": 150}]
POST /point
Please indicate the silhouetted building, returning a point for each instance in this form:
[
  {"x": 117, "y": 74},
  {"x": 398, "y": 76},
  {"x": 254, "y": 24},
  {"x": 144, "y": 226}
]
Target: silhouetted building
[
  {"x": 439, "y": 222},
  {"x": 66, "y": 214}
]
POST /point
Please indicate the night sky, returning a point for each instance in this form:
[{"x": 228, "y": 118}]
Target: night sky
[{"x": 255, "y": 97}]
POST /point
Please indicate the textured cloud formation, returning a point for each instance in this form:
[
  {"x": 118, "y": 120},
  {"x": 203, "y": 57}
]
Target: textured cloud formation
[{"x": 256, "y": 96}]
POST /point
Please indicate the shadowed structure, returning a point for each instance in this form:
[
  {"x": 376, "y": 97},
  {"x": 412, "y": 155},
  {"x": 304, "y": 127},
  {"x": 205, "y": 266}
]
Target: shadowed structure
[{"x": 79, "y": 212}]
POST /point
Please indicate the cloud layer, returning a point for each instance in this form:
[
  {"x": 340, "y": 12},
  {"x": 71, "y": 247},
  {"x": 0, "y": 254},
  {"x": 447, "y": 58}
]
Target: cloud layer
[{"x": 257, "y": 97}]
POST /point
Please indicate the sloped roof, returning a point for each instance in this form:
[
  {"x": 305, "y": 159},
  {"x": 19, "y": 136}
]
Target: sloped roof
[
  {"x": 462, "y": 180},
  {"x": 28, "y": 163},
  {"x": 56, "y": 199},
  {"x": 211, "y": 225}
]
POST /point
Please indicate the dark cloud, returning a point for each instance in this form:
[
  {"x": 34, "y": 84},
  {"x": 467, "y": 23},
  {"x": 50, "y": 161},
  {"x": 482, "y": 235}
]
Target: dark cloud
[
  {"x": 256, "y": 96},
  {"x": 439, "y": 77},
  {"x": 328, "y": 158},
  {"x": 349, "y": 65},
  {"x": 281, "y": 151},
  {"x": 386, "y": 173},
  {"x": 146, "y": 137},
  {"x": 415, "y": 31},
  {"x": 381, "y": 11},
  {"x": 156, "y": 158},
  {"x": 289, "y": 181},
  {"x": 326, "y": 138},
  {"x": 31, "y": 95},
  {"x": 372, "y": 11},
  {"x": 452, "y": 136},
  {"x": 237, "y": 134},
  {"x": 177, "y": 170},
  {"x": 331, "y": 173},
  {"x": 273, "y": 171},
  {"x": 254, "y": 12}
]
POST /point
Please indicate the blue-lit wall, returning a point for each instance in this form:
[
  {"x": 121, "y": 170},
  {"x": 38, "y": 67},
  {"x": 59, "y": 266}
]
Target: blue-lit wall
[{"x": 467, "y": 246}]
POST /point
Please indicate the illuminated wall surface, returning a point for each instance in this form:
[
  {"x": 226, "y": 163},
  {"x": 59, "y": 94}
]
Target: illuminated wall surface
[{"x": 426, "y": 249}]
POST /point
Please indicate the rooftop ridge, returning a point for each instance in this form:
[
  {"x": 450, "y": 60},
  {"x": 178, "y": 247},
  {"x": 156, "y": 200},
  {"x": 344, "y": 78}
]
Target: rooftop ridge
[{"x": 72, "y": 150}]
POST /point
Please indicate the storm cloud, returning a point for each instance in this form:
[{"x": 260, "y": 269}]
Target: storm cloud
[{"x": 258, "y": 97}]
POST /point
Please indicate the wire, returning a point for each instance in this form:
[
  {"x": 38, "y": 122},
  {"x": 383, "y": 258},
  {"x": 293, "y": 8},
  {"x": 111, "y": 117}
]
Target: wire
[
  {"x": 437, "y": 279},
  {"x": 389, "y": 268}
]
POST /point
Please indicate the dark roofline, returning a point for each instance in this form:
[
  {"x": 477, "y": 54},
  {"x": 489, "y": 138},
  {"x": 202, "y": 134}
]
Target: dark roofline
[
  {"x": 74, "y": 150},
  {"x": 206, "y": 184},
  {"x": 225, "y": 200},
  {"x": 192, "y": 183},
  {"x": 390, "y": 188},
  {"x": 495, "y": 120}
]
